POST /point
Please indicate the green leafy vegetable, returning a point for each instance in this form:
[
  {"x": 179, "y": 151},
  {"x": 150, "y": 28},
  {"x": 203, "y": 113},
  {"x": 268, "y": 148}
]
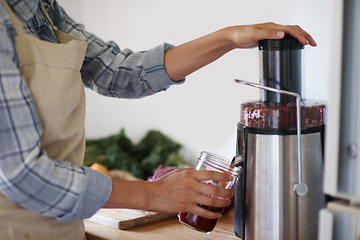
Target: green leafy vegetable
[{"x": 142, "y": 159}]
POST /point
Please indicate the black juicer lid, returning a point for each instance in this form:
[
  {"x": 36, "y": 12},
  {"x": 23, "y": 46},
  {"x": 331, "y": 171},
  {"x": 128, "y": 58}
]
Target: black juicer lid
[{"x": 286, "y": 43}]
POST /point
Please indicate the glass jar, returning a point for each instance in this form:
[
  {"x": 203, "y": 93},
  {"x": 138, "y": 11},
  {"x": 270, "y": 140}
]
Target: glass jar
[{"x": 211, "y": 162}]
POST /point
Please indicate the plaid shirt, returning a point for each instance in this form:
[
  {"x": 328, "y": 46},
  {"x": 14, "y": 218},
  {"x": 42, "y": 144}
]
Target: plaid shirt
[{"x": 27, "y": 176}]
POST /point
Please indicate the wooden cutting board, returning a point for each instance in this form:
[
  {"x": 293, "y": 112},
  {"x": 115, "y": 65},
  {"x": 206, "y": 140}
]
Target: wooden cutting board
[{"x": 127, "y": 218}]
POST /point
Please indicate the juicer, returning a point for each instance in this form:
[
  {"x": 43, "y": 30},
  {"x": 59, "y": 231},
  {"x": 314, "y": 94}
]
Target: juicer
[{"x": 280, "y": 142}]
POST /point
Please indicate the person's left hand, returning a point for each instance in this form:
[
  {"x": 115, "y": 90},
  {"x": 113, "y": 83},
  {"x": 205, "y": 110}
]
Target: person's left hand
[
  {"x": 182, "y": 60},
  {"x": 247, "y": 36}
]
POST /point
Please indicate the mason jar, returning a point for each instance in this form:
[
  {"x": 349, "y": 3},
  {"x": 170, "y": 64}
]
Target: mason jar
[{"x": 212, "y": 162}]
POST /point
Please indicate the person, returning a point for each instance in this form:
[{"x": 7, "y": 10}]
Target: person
[{"x": 46, "y": 59}]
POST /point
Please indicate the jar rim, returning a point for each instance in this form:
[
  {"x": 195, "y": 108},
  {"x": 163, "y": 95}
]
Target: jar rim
[{"x": 225, "y": 164}]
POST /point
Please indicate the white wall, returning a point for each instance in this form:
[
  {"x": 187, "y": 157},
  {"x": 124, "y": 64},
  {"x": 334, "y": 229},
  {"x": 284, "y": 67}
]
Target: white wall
[{"x": 201, "y": 114}]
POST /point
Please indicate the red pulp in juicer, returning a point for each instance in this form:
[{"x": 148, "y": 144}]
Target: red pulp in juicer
[{"x": 281, "y": 116}]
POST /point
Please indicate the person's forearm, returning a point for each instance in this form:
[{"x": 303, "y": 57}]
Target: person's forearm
[
  {"x": 184, "y": 59},
  {"x": 129, "y": 194},
  {"x": 177, "y": 191}
]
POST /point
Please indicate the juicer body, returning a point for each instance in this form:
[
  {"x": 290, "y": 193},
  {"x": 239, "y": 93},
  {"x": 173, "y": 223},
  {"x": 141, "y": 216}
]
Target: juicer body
[
  {"x": 280, "y": 141},
  {"x": 266, "y": 206}
]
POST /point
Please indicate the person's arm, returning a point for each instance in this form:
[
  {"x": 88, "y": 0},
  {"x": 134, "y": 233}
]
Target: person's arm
[
  {"x": 115, "y": 72},
  {"x": 28, "y": 177},
  {"x": 178, "y": 191},
  {"x": 191, "y": 56}
]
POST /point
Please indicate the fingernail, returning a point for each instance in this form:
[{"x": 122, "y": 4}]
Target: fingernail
[{"x": 280, "y": 34}]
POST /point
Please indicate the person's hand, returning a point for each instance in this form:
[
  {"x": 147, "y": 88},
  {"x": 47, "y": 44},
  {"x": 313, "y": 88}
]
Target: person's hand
[
  {"x": 182, "y": 60},
  {"x": 182, "y": 191},
  {"x": 247, "y": 36}
]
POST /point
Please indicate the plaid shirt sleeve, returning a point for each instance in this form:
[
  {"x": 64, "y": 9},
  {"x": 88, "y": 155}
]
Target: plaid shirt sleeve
[
  {"x": 120, "y": 73},
  {"x": 27, "y": 176}
]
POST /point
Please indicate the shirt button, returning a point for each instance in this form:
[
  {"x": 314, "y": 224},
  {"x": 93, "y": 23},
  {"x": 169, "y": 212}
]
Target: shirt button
[{"x": 43, "y": 30}]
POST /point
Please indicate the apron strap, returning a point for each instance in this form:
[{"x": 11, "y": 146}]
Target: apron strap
[{"x": 47, "y": 17}]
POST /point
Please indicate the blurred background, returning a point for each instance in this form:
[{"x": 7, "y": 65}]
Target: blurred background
[{"x": 202, "y": 113}]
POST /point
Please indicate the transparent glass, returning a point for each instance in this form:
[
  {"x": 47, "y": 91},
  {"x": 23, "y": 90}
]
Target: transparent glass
[
  {"x": 282, "y": 116},
  {"x": 212, "y": 162}
]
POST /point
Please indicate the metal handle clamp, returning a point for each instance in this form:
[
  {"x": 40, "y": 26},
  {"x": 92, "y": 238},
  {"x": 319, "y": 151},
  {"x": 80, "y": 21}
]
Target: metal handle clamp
[{"x": 299, "y": 188}]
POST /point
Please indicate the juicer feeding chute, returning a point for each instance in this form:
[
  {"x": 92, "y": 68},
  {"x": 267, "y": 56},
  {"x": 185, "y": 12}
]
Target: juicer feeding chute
[{"x": 281, "y": 68}]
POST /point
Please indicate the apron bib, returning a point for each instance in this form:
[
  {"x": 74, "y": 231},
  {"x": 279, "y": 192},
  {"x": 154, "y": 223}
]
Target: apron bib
[{"x": 52, "y": 73}]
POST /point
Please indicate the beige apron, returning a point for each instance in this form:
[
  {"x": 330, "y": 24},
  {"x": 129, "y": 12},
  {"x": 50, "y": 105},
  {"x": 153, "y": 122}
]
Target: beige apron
[{"x": 52, "y": 72}]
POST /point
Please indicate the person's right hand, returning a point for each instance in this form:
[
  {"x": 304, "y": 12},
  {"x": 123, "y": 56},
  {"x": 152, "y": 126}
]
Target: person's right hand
[{"x": 182, "y": 190}]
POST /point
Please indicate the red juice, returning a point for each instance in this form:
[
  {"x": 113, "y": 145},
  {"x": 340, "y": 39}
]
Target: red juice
[
  {"x": 199, "y": 223},
  {"x": 211, "y": 162}
]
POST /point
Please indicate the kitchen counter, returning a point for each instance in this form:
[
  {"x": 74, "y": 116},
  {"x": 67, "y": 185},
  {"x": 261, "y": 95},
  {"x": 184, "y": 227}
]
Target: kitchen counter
[{"x": 165, "y": 229}]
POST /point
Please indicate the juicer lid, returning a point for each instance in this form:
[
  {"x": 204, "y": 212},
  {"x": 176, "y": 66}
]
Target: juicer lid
[{"x": 286, "y": 43}]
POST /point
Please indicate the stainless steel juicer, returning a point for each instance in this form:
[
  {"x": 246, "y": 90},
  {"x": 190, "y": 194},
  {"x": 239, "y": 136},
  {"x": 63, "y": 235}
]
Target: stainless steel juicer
[{"x": 280, "y": 141}]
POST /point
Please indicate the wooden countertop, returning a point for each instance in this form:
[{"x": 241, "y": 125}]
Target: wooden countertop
[{"x": 165, "y": 229}]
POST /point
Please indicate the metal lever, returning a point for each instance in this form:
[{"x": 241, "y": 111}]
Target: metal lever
[{"x": 299, "y": 188}]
